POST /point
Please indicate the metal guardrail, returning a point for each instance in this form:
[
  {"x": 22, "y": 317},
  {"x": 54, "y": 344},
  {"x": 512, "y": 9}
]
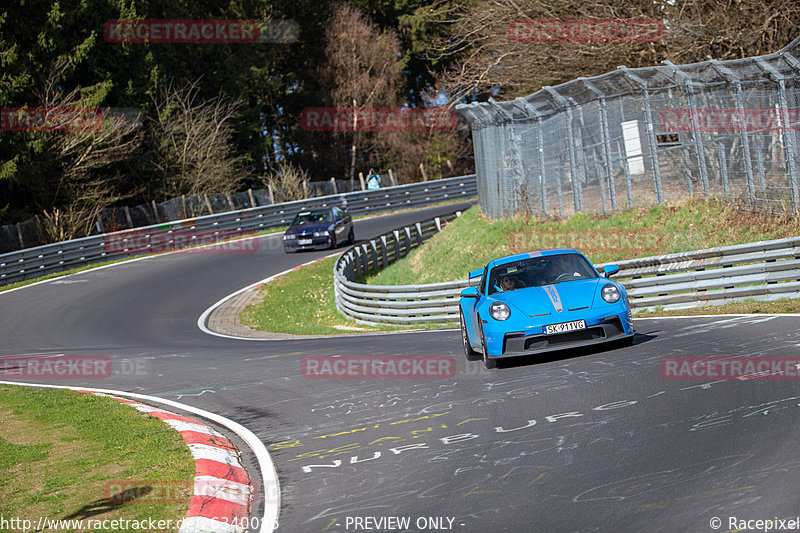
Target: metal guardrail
[
  {"x": 393, "y": 304},
  {"x": 41, "y": 260},
  {"x": 763, "y": 271}
]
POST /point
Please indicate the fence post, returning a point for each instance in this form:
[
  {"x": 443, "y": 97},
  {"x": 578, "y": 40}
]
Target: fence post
[
  {"x": 696, "y": 135},
  {"x": 577, "y": 199},
  {"x": 333, "y": 183},
  {"x": 128, "y": 216},
  {"x": 650, "y": 128},
  {"x": 19, "y": 236},
  {"x": 361, "y": 179},
  {"x": 737, "y": 92},
  {"x": 253, "y": 202},
  {"x": 155, "y": 210},
  {"x": 789, "y": 145},
  {"x": 723, "y": 168},
  {"x": 392, "y": 179},
  {"x": 604, "y": 132}
]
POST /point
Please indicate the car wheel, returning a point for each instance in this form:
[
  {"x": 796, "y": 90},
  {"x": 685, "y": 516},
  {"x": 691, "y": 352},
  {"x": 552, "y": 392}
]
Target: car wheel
[
  {"x": 351, "y": 237},
  {"x": 334, "y": 244},
  {"x": 488, "y": 362},
  {"x": 471, "y": 354}
]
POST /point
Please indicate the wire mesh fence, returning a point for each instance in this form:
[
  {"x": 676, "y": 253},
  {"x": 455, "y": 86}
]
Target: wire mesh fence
[
  {"x": 31, "y": 232},
  {"x": 644, "y": 136}
]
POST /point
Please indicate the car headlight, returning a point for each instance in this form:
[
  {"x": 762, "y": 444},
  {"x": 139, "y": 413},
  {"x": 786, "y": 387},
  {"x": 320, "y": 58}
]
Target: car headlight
[
  {"x": 610, "y": 293},
  {"x": 323, "y": 233},
  {"x": 288, "y": 236},
  {"x": 499, "y": 311}
]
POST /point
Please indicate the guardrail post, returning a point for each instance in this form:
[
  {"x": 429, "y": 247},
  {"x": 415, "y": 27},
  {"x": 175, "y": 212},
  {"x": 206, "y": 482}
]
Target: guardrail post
[
  {"x": 396, "y": 244},
  {"x": 384, "y": 258},
  {"x": 374, "y": 249},
  {"x": 420, "y": 239}
]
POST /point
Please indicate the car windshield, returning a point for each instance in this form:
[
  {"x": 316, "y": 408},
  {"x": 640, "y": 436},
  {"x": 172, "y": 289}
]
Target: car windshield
[
  {"x": 313, "y": 217},
  {"x": 538, "y": 271}
]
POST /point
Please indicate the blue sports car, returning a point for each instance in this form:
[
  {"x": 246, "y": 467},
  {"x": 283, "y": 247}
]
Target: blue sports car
[{"x": 542, "y": 301}]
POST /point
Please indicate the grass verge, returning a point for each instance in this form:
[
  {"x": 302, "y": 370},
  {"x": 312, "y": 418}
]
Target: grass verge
[
  {"x": 63, "y": 454},
  {"x": 472, "y": 240},
  {"x": 302, "y": 302}
]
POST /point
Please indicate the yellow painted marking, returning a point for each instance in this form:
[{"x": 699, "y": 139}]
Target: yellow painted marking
[
  {"x": 471, "y": 419},
  {"x": 332, "y": 523}
]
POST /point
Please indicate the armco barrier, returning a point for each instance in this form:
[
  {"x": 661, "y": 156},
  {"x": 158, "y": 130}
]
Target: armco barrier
[
  {"x": 393, "y": 304},
  {"x": 33, "y": 262},
  {"x": 763, "y": 271}
]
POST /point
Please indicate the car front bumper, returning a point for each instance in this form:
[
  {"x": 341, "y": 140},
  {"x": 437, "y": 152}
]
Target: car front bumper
[
  {"x": 317, "y": 243},
  {"x": 504, "y": 342}
]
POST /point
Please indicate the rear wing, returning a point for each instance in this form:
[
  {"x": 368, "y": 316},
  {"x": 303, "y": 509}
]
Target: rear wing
[{"x": 475, "y": 274}]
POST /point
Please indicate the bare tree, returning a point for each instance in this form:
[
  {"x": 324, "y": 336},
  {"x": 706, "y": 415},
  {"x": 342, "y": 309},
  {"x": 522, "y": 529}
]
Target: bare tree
[
  {"x": 88, "y": 154},
  {"x": 286, "y": 182},
  {"x": 192, "y": 141},
  {"x": 364, "y": 68},
  {"x": 491, "y": 59}
]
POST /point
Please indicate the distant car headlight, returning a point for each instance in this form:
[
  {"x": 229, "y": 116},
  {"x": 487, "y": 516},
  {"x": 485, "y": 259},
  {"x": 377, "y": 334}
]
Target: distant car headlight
[
  {"x": 323, "y": 233},
  {"x": 499, "y": 311},
  {"x": 288, "y": 237},
  {"x": 610, "y": 293}
]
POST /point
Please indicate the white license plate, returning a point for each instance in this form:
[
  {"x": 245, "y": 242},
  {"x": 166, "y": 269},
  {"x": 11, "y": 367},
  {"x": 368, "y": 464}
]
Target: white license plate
[
  {"x": 564, "y": 327},
  {"x": 303, "y": 242}
]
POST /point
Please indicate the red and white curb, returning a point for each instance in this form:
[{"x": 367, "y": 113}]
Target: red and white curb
[{"x": 222, "y": 487}]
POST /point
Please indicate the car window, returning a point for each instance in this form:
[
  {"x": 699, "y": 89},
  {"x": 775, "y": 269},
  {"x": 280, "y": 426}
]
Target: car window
[
  {"x": 538, "y": 271},
  {"x": 313, "y": 217}
]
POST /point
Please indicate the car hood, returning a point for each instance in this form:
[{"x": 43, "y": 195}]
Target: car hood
[
  {"x": 565, "y": 296},
  {"x": 309, "y": 228}
]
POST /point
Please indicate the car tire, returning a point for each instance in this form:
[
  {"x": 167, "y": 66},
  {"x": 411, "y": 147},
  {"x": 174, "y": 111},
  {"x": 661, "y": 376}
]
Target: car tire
[
  {"x": 488, "y": 362},
  {"x": 351, "y": 237},
  {"x": 470, "y": 354},
  {"x": 334, "y": 244}
]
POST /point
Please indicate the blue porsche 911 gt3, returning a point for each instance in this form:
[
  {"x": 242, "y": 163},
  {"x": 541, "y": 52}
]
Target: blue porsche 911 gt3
[{"x": 539, "y": 302}]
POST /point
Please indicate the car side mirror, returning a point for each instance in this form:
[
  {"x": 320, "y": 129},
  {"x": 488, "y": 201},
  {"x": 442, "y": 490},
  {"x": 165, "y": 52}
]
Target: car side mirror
[
  {"x": 610, "y": 270},
  {"x": 470, "y": 292}
]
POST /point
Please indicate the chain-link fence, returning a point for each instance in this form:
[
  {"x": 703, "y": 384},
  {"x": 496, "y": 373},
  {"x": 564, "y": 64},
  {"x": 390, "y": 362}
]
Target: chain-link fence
[
  {"x": 30, "y": 233},
  {"x": 638, "y": 137}
]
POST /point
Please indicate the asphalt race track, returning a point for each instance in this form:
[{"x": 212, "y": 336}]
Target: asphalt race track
[{"x": 589, "y": 441}]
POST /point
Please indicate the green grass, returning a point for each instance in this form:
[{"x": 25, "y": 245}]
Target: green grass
[
  {"x": 302, "y": 302},
  {"x": 471, "y": 241},
  {"x": 61, "y": 450}
]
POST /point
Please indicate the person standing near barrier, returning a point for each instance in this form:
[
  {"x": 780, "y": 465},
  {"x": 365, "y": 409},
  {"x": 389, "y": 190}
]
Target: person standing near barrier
[{"x": 373, "y": 180}]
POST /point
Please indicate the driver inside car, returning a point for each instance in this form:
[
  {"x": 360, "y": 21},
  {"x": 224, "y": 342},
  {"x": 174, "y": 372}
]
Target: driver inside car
[{"x": 562, "y": 267}]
